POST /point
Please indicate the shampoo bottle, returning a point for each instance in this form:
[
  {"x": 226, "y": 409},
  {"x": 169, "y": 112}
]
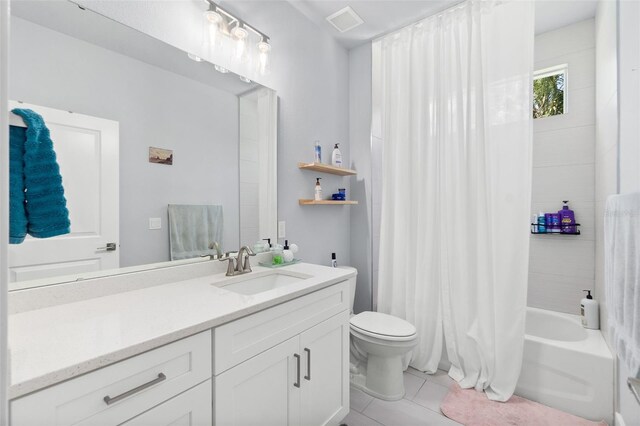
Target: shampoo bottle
[
  {"x": 336, "y": 156},
  {"x": 318, "y": 190},
  {"x": 589, "y": 312},
  {"x": 542, "y": 229},
  {"x": 567, "y": 219}
]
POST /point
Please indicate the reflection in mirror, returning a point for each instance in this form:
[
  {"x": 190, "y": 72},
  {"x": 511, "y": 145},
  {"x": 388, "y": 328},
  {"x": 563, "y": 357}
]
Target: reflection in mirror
[{"x": 138, "y": 126}]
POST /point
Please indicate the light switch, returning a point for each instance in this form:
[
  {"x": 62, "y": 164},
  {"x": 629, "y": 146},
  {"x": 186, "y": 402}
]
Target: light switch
[
  {"x": 281, "y": 230},
  {"x": 155, "y": 223}
]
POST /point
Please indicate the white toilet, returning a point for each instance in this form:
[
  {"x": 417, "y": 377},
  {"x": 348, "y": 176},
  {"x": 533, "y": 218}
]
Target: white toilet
[{"x": 379, "y": 345}]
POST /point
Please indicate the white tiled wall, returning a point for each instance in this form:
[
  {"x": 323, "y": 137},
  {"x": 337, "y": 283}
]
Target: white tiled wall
[
  {"x": 560, "y": 267},
  {"x": 606, "y": 134}
]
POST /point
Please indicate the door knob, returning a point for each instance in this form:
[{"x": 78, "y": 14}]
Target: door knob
[{"x": 108, "y": 247}]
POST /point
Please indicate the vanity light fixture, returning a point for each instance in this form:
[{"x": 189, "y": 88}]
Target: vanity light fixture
[{"x": 220, "y": 22}]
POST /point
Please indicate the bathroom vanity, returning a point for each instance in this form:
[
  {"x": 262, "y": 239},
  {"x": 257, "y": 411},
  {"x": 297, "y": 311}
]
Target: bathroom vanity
[{"x": 269, "y": 347}]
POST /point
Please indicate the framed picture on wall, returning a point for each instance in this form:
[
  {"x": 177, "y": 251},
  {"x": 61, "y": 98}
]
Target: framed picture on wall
[{"x": 160, "y": 155}]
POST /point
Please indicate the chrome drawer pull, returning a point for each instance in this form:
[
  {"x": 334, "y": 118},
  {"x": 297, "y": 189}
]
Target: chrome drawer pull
[
  {"x": 161, "y": 377},
  {"x": 297, "y": 383},
  {"x": 308, "y": 376}
]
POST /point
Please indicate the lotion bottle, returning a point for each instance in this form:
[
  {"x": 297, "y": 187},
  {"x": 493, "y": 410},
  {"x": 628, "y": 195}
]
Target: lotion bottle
[
  {"x": 336, "y": 156},
  {"x": 589, "y": 312},
  {"x": 318, "y": 190}
]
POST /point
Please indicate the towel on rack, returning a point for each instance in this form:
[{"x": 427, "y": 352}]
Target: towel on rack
[
  {"x": 37, "y": 203},
  {"x": 192, "y": 229},
  {"x": 622, "y": 276}
]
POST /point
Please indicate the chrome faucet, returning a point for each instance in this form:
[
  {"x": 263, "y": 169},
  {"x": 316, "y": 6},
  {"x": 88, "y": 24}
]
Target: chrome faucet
[
  {"x": 244, "y": 266},
  {"x": 215, "y": 246},
  {"x": 240, "y": 263}
]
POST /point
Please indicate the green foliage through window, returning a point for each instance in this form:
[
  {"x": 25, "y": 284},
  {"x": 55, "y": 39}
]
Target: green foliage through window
[{"x": 548, "y": 95}]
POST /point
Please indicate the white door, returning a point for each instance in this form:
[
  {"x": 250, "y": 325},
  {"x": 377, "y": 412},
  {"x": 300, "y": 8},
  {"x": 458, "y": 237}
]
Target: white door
[
  {"x": 191, "y": 408},
  {"x": 87, "y": 151},
  {"x": 325, "y": 383},
  {"x": 261, "y": 391}
]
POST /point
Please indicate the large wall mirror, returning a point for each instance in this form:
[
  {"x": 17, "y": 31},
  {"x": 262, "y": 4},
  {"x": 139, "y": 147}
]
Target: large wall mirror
[{"x": 139, "y": 128}]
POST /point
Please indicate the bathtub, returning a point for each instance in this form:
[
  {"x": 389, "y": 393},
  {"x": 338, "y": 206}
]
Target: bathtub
[{"x": 566, "y": 366}]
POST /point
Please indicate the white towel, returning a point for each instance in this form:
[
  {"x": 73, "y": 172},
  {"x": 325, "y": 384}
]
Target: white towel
[
  {"x": 192, "y": 229},
  {"x": 622, "y": 276}
]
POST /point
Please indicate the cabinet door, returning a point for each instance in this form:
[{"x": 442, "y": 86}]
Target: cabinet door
[
  {"x": 190, "y": 408},
  {"x": 325, "y": 369},
  {"x": 262, "y": 390}
]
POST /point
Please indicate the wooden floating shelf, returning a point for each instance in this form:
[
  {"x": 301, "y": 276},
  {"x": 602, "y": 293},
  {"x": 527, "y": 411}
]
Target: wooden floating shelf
[
  {"x": 304, "y": 202},
  {"x": 326, "y": 168}
]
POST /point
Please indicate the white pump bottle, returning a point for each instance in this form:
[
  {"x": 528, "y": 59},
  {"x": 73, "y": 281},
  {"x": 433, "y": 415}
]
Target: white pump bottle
[{"x": 589, "y": 312}]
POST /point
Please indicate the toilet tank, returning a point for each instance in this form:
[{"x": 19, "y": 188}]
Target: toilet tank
[{"x": 352, "y": 284}]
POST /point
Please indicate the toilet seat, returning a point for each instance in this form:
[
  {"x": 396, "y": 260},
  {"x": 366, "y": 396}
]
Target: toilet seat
[{"x": 382, "y": 326}]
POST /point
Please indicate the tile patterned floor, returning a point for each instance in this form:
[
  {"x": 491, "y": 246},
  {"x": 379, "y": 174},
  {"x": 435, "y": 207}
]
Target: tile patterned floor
[{"x": 420, "y": 406}]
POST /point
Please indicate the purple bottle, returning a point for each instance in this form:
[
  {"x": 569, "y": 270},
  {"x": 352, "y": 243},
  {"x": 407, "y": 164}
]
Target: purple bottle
[{"x": 567, "y": 219}]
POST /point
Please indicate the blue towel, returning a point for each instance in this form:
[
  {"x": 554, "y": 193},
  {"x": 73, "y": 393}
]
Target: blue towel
[{"x": 37, "y": 204}]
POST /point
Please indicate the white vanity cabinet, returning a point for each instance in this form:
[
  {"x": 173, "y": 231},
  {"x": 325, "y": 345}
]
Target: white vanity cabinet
[
  {"x": 301, "y": 379},
  {"x": 283, "y": 365},
  {"x": 119, "y": 392}
]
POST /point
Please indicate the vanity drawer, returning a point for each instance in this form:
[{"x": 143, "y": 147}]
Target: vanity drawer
[
  {"x": 131, "y": 387},
  {"x": 242, "y": 339}
]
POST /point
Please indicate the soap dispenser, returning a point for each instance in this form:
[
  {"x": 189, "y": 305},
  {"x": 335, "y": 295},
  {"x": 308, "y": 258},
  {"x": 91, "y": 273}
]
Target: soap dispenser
[
  {"x": 318, "y": 190},
  {"x": 287, "y": 254},
  {"x": 589, "y": 312}
]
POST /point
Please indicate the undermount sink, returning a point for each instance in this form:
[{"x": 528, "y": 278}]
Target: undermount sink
[{"x": 261, "y": 282}]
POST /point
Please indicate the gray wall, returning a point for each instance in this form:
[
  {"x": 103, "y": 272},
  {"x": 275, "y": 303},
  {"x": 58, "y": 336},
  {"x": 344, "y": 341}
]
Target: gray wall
[
  {"x": 564, "y": 169},
  {"x": 360, "y": 150},
  {"x": 154, "y": 108},
  {"x": 310, "y": 72}
]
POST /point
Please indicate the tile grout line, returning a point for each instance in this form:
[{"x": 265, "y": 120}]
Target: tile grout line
[
  {"x": 427, "y": 408},
  {"x": 373, "y": 398},
  {"x": 559, "y": 129}
]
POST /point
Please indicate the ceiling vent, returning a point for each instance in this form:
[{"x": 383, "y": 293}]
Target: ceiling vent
[{"x": 345, "y": 19}]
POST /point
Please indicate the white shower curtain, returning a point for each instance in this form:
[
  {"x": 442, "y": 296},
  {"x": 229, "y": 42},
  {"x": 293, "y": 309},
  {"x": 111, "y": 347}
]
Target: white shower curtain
[{"x": 454, "y": 94}]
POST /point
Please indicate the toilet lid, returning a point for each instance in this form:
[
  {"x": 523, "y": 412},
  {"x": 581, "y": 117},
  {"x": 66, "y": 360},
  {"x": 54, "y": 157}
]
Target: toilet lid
[{"x": 383, "y": 324}]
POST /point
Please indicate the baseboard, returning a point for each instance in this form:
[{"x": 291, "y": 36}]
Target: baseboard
[{"x": 619, "y": 420}]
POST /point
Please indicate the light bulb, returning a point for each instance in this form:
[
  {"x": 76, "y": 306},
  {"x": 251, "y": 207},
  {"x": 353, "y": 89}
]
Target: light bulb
[
  {"x": 213, "y": 16},
  {"x": 212, "y": 27},
  {"x": 220, "y": 69},
  {"x": 243, "y": 78},
  {"x": 263, "y": 48},
  {"x": 194, "y": 57},
  {"x": 240, "y": 34}
]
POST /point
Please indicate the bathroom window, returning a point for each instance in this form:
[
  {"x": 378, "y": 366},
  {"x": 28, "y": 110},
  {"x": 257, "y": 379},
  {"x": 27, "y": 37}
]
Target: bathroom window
[{"x": 549, "y": 92}]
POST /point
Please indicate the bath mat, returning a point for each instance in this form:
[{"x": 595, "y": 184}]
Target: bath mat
[{"x": 472, "y": 408}]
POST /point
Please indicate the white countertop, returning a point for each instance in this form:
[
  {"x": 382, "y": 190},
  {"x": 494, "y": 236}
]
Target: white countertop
[{"x": 56, "y": 343}]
